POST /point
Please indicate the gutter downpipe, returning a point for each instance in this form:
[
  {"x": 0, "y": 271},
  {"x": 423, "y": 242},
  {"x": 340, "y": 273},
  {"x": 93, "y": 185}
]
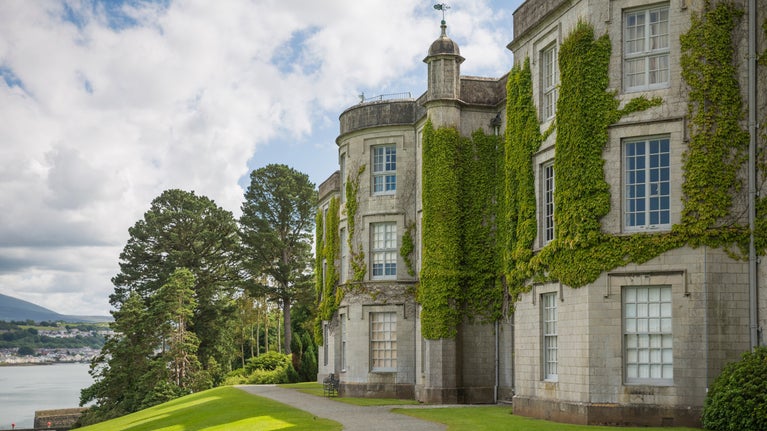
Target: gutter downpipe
[
  {"x": 752, "y": 129},
  {"x": 497, "y": 363}
]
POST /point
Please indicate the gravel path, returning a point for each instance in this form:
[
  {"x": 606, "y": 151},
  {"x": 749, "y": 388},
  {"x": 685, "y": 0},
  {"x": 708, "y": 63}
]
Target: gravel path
[{"x": 353, "y": 418}]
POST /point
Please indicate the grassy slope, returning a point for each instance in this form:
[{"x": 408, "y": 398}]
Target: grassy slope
[
  {"x": 499, "y": 418},
  {"x": 219, "y": 409},
  {"x": 230, "y": 409}
]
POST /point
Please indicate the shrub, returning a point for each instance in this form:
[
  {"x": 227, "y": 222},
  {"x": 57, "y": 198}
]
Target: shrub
[
  {"x": 737, "y": 400},
  {"x": 267, "y": 361}
]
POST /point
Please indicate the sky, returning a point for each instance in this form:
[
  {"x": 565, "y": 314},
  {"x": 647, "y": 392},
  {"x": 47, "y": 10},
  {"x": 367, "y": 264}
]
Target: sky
[{"x": 106, "y": 104}]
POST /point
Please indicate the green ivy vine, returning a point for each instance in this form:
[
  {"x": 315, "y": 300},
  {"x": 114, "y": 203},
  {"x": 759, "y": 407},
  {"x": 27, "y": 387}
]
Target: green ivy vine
[
  {"x": 439, "y": 291},
  {"x": 357, "y": 255},
  {"x": 460, "y": 269},
  {"x": 327, "y": 250},
  {"x": 408, "y": 247}
]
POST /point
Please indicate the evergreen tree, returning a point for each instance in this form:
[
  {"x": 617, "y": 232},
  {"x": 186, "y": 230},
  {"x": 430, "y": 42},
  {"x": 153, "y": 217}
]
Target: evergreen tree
[
  {"x": 183, "y": 230},
  {"x": 276, "y": 227}
]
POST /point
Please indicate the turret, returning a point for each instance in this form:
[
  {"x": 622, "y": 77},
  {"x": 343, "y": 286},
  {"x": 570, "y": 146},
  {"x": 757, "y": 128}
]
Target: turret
[{"x": 444, "y": 82}]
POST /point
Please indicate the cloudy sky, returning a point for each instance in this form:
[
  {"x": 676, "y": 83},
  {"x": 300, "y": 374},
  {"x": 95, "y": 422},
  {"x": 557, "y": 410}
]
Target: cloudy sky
[{"x": 105, "y": 104}]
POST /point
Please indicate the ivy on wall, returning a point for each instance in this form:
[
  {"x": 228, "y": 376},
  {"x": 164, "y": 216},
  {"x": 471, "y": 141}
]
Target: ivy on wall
[
  {"x": 357, "y": 255},
  {"x": 517, "y": 224},
  {"x": 408, "y": 247},
  {"x": 326, "y": 277},
  {"x": 439, "y": 291},
  {"x": 460, "y": 266},
  {"x": 718, "y": 146}
]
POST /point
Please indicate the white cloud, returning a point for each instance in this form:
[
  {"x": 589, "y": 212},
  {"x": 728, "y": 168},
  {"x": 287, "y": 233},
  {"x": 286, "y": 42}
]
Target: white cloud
[{"x": 104, "y": 109}]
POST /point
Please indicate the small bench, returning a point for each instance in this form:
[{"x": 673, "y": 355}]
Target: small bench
[{"x": 330, "y": 385}]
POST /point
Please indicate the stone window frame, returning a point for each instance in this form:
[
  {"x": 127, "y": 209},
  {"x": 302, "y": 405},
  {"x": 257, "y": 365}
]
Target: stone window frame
[
  {"x": 548, "y": 184},
  {"x": 653, "y": 346},
  {"x": 549, "y": 79},
  {"x": 382, "y": 333},
  {"x": 342, "y": 329},
  {"x": 388, "y": 252},
  {"x": 383, "y": 169},
  {"x": 660, "y": 189},
  {"x": 645, "y": 56},
  {"x": 549, "y": 336}
]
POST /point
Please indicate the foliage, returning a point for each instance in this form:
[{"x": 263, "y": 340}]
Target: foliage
[
  {"x": 516, "y": 222},
  {"x": 276, "y": 227},
  {"x": 480, "y": 266},
  {"x": 326, "y": 271},
  {"x": 159, "y": 305},
  {"x": 17, "y": 338},
  {"x": 439, "y": 291},
  {"x": 173, "y": 311},
  {"x": 269, "y": 368},
  {"x": 737, "y": 400},
  {"x": 718, "y": 144},
  {"x": 460, "y": 269},
  {"x": 585, "y": 109},
  {"x": 224, "y": 408},
  {"x": 357, "y": 255},
  {"x": 408, "y": 247},
  {"x": 183, "y": 230}
]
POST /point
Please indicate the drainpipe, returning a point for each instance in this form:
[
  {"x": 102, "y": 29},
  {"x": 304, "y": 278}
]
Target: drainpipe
[
  {"x": 752, "y": 130},
  {"x": 705, "y": 307},
  {"x": 497, "y": 364}
]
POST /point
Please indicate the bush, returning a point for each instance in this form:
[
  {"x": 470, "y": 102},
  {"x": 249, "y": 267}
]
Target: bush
[
  {"x": 268, "y": 368},
  {"x": 267, "y": 361},
  {"x": 737, "y": 400}
]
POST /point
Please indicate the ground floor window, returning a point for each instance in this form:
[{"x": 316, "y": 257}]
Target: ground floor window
[
  {"x": 648, "y": 341},
  {"x": 383, "y": 341},
  {"x": 549, "y": 326}
]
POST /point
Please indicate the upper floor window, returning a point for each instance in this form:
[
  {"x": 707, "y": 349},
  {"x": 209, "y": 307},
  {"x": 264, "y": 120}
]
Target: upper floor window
[
  {"x": 646, "y": 48},
  {"x": 648, "y": 338},
  {"x": 384, "y": 169},
  {"x": 548, "y": 201},
  {"x": 647, "y": 184},
  {"x": 549, "y": 80},
  {"x": 384, "y": 250}
]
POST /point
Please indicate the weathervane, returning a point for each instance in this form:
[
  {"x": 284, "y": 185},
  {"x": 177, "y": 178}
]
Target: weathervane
[{"x": 443, "y": 7}]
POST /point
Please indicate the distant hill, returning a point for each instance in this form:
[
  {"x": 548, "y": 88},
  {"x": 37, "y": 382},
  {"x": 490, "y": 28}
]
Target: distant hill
[{"x": 19, "y": 310}]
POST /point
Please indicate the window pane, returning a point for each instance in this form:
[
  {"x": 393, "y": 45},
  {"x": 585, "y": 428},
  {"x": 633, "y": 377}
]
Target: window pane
[
  {"x": 383, "y": 346},
  {"x": 384, "y": 250},
  {"x": 647, "y": 338}
]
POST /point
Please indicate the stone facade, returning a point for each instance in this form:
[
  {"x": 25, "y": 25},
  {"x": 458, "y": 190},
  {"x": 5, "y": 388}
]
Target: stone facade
[{"x": 595, "y": 366}]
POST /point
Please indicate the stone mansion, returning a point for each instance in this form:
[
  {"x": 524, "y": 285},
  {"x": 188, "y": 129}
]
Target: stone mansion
[{"x": 578, "y": 237}]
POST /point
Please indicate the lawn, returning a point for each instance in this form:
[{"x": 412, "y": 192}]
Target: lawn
[
  {"x": 220, "y": 409},
  {"x": 500, "y": 418},
  {"x": 314, "y": 388}
]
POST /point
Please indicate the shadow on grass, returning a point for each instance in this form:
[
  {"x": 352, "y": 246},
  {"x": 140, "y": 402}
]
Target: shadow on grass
[{"x": 219, "y": 409}]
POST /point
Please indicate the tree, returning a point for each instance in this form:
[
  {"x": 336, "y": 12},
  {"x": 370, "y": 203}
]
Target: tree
[
  {"x": 183, "y": 230},
  {"x": 119, "y": 370},
  {"x": 174, "y": 309},
  {"x": 276, "y": 230}
]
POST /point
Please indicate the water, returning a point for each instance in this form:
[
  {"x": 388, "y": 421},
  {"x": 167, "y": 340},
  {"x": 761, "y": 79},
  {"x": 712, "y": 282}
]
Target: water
[{"x": 24, "y": 389}]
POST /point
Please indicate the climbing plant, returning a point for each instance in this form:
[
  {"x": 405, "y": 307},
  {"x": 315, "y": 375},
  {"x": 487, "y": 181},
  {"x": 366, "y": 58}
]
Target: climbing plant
[
  {"x": 408, "y": 247},
  {"x": 718, "y": 144},
  {"x": 439, "y": 291},
  {"x": 357, "y": 254},
  {"x": 327, "y": 249}
]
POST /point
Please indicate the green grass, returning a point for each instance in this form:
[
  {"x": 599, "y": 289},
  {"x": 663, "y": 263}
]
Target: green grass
[
  {"x": 220, "y": 409},
  {"x": 499, "y": 418},
  {"x": 314, "y": 388}
]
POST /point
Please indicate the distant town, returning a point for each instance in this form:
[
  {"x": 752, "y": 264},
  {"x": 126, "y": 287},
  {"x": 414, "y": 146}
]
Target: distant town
[{"x": 22, "y": 343}]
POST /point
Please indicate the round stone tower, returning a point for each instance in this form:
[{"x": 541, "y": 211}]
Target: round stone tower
[{"x": 444, "y": 82}]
